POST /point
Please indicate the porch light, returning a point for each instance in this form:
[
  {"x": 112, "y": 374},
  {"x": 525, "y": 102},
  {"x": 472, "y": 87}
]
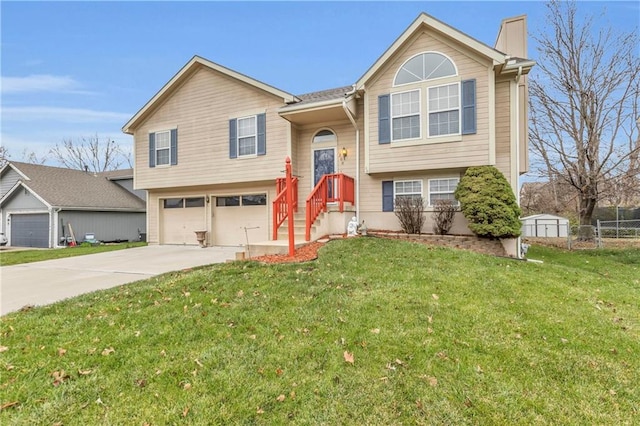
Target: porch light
[{"x": 343, "y": 153}]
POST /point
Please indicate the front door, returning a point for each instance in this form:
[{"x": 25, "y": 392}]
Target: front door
[{"x": 324, "y": 163}]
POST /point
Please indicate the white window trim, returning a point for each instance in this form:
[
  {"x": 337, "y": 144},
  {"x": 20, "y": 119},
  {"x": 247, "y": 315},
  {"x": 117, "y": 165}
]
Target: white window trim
[
  {"x": 255, "y": 136},
  {"x": 391, "y": 116},
  {"x": 168, "y": 163},
  {"x": 395, "y": 193},
  {"x": 429, "y": 192},
  {"x": 395, "y": 76},
  {"x": 429, "y": 112},
  {"x": 330, "y": 143}
]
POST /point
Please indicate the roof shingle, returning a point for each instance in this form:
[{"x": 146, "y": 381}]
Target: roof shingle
[{"x": 78, "y": 189}]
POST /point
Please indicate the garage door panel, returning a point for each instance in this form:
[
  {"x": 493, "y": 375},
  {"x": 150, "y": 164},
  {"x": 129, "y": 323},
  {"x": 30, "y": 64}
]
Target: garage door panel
[
  {"x": 179, "y": 225},
  {"x": 30, "y": 230},
  {"x": 229, "y": 224}
]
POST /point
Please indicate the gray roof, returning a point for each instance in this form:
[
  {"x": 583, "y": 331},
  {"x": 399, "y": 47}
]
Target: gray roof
[
  {"x": 324, "y": 95},
  {"x": 69, "y": 188}
]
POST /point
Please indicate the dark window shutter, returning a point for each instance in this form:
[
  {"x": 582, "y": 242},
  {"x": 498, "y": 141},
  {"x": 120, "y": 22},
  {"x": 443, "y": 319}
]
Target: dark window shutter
[
  {"x": 468, "y": 107},
  {"x": 384, "y": 122},
  {"x": 174, "y": 147},
  {"x": 152, "y": 149},
  {"x": 262, "y": 135},
  {"x": 387, "y": 195},
  {"x": 233, "y": 139}
]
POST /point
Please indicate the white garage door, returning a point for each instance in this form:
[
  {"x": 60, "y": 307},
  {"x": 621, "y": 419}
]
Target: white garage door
[
  {"x": 232, "y": 214},
  {"x": 180, "y": 218}
]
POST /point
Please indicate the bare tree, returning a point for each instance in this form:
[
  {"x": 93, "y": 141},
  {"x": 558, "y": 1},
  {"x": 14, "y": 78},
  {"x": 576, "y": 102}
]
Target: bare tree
[
  {"x": 27, "y": 157},
  {"x": 91, "y": 154},
  {"x": 4, "y": 156},
  {"x": 584, "y": 99}
]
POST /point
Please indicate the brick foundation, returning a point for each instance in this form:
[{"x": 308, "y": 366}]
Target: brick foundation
[{"x": 463, "y": 242}]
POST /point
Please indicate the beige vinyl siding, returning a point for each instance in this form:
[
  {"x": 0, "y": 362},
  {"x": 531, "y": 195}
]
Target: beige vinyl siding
[
  {"x": 200, "y": 109},
  {"x": 503, "y": 128},
  {"x": 471, "y": 150},
  {"x": 371, "y": 200},
  {"x": 345, "y": 134}
]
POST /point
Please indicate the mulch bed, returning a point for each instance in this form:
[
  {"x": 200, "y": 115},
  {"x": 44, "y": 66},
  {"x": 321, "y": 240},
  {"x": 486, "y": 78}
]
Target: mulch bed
[{"x": 303, "y": 254}]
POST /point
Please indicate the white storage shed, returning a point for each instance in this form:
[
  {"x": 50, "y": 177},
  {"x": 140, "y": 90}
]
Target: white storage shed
[{"x": 545, "y": 226}]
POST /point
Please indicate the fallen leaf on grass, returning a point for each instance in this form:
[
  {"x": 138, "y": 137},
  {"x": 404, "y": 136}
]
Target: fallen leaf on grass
[
  {"x": 433, "y": 381},
  {"x": 3, "y": 348},
  {"x": 186, "y": 386},
  {"x": 84, "y": 372},
  {"x": 61, "y": 351},
  {"x": 197, "y": 361},
  {"x": 348, "y": 357},
  {"x": 59, "y": 377},
  {"x": 9, "y": 405},
  {"x": 281, "y": 398},
  {"x": 376, "y": 331},
  {"x": 108, "y": 351},
  {"x": 259, "y": 410},
  {"x": 435, "y": 296},
  {"x": 185, "y": 411}
]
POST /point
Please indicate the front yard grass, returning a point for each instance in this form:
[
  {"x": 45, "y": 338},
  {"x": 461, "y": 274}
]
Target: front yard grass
[
  {"x": 373, "y": 332},
  {"x": 9, "y": 257}
]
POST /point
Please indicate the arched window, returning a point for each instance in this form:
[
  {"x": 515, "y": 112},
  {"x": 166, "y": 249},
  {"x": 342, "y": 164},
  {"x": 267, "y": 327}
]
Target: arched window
[
  {"x": 425, "y": 66},
  {"x": 325, "y": 135}
]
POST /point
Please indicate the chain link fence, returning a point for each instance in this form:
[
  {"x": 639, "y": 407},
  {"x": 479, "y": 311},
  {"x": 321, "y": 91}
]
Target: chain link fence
[
  {"x": 619, "y": 228},
  {"x": 605, "y": 234}
]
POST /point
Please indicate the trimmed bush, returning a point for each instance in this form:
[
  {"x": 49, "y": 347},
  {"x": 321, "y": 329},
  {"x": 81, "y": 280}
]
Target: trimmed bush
[
  {"x": 410, "y": 213},
  {"x": 443, "y": 214},
  {"x": 488, "y": 203}
]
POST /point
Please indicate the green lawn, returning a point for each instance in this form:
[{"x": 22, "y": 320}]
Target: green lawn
[
  {"x": 436, "y": 336},
  {"x": 9, "y": 257}
]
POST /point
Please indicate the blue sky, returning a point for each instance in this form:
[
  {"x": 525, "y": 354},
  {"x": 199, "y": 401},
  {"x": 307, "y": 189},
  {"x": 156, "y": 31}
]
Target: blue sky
[{"x": 77, "y": 69}]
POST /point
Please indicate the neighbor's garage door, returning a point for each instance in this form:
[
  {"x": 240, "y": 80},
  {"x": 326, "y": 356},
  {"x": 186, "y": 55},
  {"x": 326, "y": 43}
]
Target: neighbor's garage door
[
  {"x": 30, "y": 230},
  {"x": 232, "y": 214},
  {"x": 180, "y": 218}
]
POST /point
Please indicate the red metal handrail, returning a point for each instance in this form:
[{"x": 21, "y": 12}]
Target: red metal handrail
[
  {"x": 335, "y": 187},
  {"x": 280, "y": 203}
]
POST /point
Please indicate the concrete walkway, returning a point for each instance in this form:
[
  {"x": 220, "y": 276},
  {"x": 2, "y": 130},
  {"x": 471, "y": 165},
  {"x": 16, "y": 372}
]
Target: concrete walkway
[{"x": 41, "y": 283}]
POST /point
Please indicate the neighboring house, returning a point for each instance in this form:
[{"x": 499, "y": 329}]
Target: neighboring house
[
  {"x": 39, "y": 205},
  {"x": 211, "y": 143},
  {"x": 545, "y": 225}
]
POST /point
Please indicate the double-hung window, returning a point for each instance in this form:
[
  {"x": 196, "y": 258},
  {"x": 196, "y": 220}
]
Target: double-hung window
[
  {"x": 442, "y": 189},
  {"x": 163, "y": 148},
  {"x": 247, "y": 136},
  {"x": 444, "y": 110},
  {"x": 407, "y": 189},
  {"x": 405, "y": 115}
]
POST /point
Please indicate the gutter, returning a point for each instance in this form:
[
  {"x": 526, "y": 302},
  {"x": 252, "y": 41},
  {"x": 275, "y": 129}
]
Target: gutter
[
  {"x": 348, "y": 96},
  {"x": 517, "y": 189}
]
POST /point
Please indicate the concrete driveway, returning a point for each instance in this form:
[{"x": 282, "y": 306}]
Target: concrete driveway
[{"x": 41, "y": 283}]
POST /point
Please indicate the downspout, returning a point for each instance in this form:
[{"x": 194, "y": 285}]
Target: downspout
[
  {"x": 519, "y": 241},
  {"x": 355, "y": 126}
]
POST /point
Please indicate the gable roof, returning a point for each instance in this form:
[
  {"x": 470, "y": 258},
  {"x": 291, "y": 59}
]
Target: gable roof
[
  {"x": 440, "y": 27},
  {"x": 185, "y": 72},
  {"x": 74, "y": 189}
]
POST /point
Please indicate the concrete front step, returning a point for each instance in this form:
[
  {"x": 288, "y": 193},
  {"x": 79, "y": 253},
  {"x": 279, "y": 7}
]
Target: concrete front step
[{"x": 271, "y": 247}]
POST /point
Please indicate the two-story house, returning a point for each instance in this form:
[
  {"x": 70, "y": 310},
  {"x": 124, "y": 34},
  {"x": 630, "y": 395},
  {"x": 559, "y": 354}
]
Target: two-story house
[{"x": 210, "y": 146}]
